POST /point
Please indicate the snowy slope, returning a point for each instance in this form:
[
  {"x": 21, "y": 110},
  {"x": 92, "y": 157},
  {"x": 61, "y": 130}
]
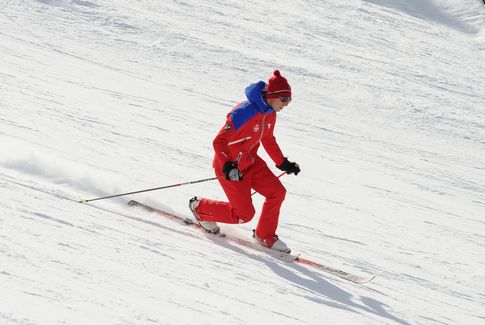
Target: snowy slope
[{"x": 387, "y": 122}]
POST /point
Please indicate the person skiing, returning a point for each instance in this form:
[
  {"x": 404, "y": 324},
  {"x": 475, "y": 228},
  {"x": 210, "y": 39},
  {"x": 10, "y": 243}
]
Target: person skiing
[{"x": 239, "y": 168}]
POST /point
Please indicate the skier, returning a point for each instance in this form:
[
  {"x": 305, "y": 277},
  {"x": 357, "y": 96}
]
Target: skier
[{"x": 239, "y": 169}]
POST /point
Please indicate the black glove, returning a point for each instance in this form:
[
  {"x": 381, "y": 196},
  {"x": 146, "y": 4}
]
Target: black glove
[
  {"x": 231, "y": 171},
  {"x": 289, "y": 167}
]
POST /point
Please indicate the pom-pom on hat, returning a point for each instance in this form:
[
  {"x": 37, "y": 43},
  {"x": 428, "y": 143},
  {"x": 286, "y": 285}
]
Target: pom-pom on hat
[{"x": 278, "y": 86}]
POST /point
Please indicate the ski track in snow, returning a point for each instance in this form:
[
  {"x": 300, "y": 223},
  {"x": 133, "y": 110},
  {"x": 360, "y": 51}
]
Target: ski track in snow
[{"x": 106, "y": 97}]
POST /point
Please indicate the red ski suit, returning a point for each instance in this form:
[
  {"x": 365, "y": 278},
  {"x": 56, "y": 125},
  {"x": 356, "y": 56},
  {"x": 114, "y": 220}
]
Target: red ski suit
[{"x": 248, "y": 124}]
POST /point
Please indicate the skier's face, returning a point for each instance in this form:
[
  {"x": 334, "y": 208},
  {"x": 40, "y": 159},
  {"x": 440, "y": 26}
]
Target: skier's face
[{"x": 277, "y": 104}]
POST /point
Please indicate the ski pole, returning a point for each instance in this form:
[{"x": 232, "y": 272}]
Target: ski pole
[
  {"x": 150, "y": 189},
  {"x": 278, "y": 177}
]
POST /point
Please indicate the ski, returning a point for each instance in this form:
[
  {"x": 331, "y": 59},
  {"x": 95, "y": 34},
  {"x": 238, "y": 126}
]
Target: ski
[
  {"x": 339, "y": 273},
  {"x": 295, "y": 258}
]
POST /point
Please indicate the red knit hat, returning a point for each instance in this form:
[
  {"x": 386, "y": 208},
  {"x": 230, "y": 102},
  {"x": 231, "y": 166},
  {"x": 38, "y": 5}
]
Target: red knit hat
[{"x": 278, "y": 86}]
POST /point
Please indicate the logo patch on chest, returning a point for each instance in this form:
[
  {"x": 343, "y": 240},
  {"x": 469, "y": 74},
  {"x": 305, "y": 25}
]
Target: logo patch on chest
[{"x": 256, "y": 128}]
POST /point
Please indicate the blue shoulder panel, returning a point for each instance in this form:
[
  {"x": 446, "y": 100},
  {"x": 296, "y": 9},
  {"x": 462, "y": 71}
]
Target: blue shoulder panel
[
  {"x": 254, "y": 105},
  {"x": 243, "y": 113}
]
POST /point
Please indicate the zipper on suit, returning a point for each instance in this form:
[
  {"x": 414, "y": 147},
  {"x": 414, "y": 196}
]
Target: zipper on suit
[{"x": 259, "y": 140}]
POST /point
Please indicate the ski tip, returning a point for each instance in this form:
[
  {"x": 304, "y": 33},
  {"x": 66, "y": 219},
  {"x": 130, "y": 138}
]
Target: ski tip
[
  {"x": 83, "y": 202},
  {"x": 370, "y": 279},
  {"x": 361, "y": 280}
]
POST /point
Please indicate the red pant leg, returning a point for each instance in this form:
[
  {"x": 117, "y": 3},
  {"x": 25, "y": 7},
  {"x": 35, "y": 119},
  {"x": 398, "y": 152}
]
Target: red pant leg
[{"x": 268, "y": 185}]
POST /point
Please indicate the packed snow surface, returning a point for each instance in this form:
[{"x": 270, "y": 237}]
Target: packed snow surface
[{"x": 387, "y": 123}]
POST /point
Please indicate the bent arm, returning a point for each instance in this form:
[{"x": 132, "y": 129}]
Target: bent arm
[{"x": 272, "y": 147}]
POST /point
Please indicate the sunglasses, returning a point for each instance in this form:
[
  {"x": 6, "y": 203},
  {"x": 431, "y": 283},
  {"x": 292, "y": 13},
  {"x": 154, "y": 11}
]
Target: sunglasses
[{"x": 285, "y": 99}]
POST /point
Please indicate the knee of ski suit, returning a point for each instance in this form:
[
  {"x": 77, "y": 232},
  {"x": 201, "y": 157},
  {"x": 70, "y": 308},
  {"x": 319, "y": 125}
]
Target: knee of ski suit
[
  {"x": 280, "y": 194},
  {"x": 245, "y": 215}
]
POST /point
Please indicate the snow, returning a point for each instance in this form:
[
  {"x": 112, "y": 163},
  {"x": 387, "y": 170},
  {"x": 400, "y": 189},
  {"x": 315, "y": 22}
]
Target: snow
[{"x": 387, "y": 123}]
